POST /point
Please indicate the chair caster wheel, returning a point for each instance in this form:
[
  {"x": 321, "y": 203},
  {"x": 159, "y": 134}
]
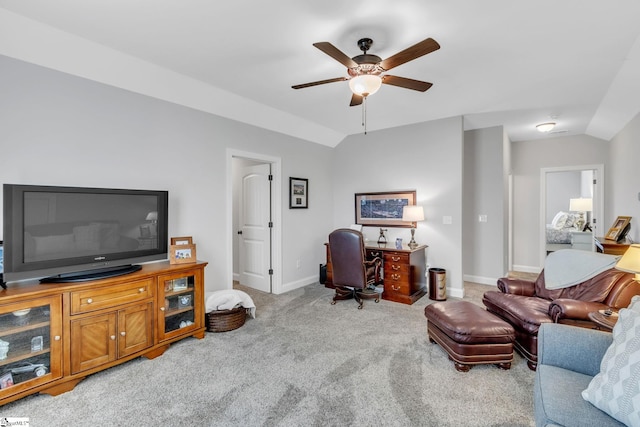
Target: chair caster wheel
[
  {"x": 360, "y": 307},
  {"x": 377, "y": 300},
  {"x": 333, "y": 302}
]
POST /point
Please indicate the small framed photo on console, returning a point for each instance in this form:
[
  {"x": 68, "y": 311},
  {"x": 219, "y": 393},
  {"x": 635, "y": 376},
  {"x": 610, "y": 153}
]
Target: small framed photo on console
[
  {"x": 188, "y": 240},
  {"x": 182, "y": 254}
]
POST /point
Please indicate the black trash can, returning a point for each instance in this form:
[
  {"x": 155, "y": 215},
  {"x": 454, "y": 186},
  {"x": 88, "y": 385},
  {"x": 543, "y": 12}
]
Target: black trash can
[
  {"x": 323, "y": 273},
  {"x": 437, "y": 284}
]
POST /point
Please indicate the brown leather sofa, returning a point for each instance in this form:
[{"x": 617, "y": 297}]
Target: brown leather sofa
[{"x": 526, "y": 304}]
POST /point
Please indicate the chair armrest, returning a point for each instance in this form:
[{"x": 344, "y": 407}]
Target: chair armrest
[
  {"x": 517, "y": 286},
  {"x": 565, "y": 308},
  {"x": 577, "y": 349}
]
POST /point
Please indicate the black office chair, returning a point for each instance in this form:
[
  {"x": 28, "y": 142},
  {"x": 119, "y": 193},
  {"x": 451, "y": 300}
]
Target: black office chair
[{"x": 353, "y": 275}]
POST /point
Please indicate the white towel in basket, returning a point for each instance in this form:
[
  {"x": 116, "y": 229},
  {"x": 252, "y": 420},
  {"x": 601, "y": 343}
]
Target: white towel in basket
[{"x": 228, "y": 299}]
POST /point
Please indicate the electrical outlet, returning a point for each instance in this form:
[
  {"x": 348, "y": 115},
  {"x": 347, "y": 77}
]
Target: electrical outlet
[{"x": 482, "y": 218}]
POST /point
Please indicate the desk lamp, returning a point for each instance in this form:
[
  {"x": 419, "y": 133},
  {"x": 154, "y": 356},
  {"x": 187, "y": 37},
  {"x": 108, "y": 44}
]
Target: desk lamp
[
  {"x": 630, "y": 261},
  {"x": 582, "y": 205},
  {"x": 413, "y": 214}
]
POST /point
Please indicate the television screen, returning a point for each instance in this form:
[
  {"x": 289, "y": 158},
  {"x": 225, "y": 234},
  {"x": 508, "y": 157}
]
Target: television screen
[{"x": 52, "y": 230}]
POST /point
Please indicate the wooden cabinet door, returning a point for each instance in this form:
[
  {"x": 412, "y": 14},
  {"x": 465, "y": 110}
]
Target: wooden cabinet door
[
  {"x": 178, "y": 316},
  {"x": 93, "y": 341},
  {"x": 31, "y": 337},
  {"x": 135, "y": 329}
]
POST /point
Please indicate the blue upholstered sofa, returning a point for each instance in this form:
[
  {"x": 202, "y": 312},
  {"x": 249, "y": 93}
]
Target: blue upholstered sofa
[{"x": 568, "y": 358}]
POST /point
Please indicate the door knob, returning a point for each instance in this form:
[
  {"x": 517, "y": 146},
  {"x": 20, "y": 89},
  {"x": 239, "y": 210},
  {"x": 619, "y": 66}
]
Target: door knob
[{"x": 239, "y": 231}]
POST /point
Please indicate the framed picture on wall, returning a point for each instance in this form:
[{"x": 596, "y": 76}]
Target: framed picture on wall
[
  {"x": 298, "y": 193},
  {"x": 383, "y": 209}
]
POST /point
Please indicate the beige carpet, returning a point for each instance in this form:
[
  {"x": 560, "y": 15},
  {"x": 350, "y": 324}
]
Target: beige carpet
[{"x": 300, "y": 362}]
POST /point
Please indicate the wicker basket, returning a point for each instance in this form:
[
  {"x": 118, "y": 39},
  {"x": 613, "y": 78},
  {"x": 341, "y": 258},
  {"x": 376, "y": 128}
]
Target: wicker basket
[{"x": 225, "y": 320}]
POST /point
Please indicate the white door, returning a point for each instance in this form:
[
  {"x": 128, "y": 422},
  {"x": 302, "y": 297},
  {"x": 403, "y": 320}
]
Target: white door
[{"x": 255, "y": 233}]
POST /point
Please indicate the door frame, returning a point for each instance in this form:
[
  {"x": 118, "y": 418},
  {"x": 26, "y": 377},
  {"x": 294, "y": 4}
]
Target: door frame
[
  {"x": 276, "y": 207},
  {"x": 598, "y": 201}
]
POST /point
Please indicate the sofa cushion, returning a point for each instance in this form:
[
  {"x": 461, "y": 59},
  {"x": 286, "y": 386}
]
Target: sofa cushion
[
  {"x": 557, "y": 399},
  {"x": 616, "y": 389}
]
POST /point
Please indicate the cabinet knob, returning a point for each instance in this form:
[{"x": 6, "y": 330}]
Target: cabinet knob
[
  {"x": 113, "y": 337},
  {"x": 395, "y": 267},
  {"x": 395, "y": 288},
  {"x": 56, "y": 338},
  {"x": 89, "y": 300},
  {"x": 161, "y": 308},
  {"x": 395, "y": 276},
  {"x": 141, "y": 290},
  {"x": 123, "y": 333},
  {"x": 395, "y": 258}
]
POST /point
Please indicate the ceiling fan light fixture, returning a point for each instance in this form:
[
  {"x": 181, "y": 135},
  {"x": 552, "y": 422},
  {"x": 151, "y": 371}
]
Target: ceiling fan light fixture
[
  {"x": 365, "y": 84},
  {"x": 545, "y": 127}
]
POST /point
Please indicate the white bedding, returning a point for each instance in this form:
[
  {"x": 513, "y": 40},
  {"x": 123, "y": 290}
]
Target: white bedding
[{"x": 228, "y": 299}]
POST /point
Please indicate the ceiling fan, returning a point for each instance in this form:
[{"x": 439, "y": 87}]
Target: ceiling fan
[{"x": 366, "y": 71}]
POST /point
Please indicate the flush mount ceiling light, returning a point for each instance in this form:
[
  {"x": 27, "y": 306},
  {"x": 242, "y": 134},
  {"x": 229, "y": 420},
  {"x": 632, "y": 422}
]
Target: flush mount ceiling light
[{"x": 545, "y": 127}]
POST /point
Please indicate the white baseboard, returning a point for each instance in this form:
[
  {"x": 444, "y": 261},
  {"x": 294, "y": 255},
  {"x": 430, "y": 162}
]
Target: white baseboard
[
  {"x": 286, "y": 287},
  {"x": 527, "y": 269},
  {"x": 479, "y": 279}
]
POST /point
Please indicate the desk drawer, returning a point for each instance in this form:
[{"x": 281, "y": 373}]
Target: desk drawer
[
  {"x": 396, "y": 257},
  {"x": 110, "y": 296}
]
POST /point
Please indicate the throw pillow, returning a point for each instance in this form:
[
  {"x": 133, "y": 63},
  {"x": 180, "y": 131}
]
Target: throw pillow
[{"x": 616, "y": 389}]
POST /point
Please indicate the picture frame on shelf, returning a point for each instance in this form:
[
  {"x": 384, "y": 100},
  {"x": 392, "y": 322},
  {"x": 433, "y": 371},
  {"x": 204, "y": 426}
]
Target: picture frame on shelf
[
  {"x": 187, "y": 240},
  {"x": 619, "y": 229},
  {"x": 383, "y": 209},
  {"x": 179, "y": 284},
  {"x": 298, "y": 193},
  {"x": 184, "y": 301},
  {"x": 182, "y": 254}
]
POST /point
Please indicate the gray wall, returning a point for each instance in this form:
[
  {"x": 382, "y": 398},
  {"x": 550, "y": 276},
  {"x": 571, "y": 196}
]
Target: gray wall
[
  {"x": 425, "y": 157},
  {"x": 58, "y": 129},
  {"x": 485, "y": 246},
  {"x": 528, "y": 157},
  {"x": 623, "y": 178}
]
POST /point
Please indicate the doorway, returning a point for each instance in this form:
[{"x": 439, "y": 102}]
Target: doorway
[
  {"x": 558, "y": 185},
  {"x": 254, "y": 212}
]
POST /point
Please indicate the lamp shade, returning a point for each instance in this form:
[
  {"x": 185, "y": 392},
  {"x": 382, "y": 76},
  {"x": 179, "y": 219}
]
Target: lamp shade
[
  {"x": 365, "y": 84},
  {"x": 412, "y": 213},
  {"x": 630, "y": 261},
  {"x": 581, "y": 205},
  {"x": 152, "y": 216}
]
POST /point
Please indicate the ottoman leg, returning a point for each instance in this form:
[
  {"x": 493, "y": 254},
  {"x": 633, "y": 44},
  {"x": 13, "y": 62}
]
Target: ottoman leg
[
  {"x": 506, "y": 366},
  {"x": 460, "y": 367}
]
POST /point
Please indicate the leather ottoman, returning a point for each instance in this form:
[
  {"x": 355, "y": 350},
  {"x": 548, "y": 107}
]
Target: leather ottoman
[{"x": 470, "y": 334}]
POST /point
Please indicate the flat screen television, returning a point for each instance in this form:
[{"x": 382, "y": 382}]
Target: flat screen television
[{"x": 75, "y": 234}]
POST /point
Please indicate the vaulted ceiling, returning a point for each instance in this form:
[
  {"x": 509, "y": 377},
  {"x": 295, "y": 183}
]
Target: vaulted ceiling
[{"x": 501, "y": 62}]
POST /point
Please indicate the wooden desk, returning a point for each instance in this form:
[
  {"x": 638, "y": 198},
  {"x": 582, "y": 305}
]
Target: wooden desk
[
  {"x": 612, "y": 247},
  {"x": 403, "y": 271}
]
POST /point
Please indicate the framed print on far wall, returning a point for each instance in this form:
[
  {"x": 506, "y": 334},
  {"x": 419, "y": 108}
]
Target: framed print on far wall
[
  {"x": 298, "y": 193},
  {"x": 383, "y": 209}
]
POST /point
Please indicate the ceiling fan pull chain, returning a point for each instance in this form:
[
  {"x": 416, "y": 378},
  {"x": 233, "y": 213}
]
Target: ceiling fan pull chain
[{"x": 364, "y": 114}]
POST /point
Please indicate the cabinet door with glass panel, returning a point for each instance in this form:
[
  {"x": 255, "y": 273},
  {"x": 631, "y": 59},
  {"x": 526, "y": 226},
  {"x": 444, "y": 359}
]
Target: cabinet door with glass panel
[
  {"x": 30, "y": 344},
  {"x": 180, "y": 300}
]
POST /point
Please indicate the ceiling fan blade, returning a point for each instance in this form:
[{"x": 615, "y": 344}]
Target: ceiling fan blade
[
  {"x": 336, "y": 54},
  {"x": 410, "y": 53},
  {"x": 355, "y": 100},
  {"x": 406, "y": 83},
  {"x": 320, "y": 82}
]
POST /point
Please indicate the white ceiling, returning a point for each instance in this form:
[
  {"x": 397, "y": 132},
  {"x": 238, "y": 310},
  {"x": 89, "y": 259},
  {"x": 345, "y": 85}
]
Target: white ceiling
[{"x": 502, "y": 62}]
